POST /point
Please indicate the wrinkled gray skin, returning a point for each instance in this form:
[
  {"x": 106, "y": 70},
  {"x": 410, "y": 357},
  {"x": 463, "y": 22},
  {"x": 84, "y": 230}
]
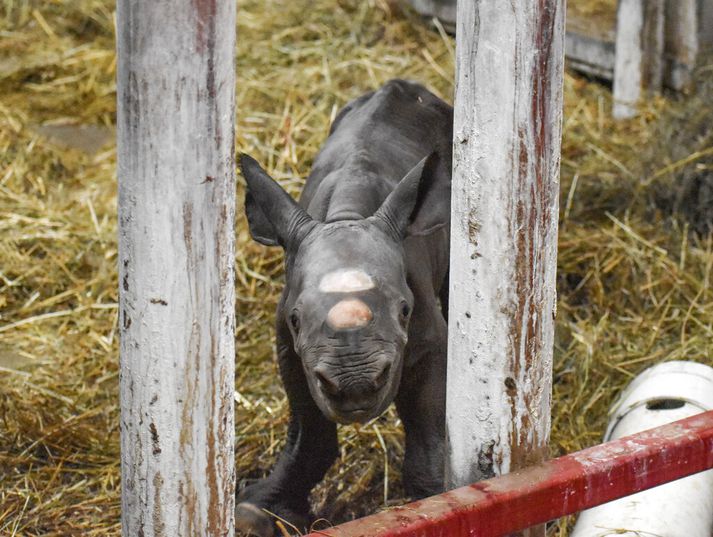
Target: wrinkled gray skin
[{"x": 377, "y": 200}]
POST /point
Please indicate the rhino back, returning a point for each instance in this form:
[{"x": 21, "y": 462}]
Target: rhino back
[{"x": 374, "y": 141}]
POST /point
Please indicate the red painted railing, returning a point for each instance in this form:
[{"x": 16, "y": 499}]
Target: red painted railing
[{"x": 559, "y": 487}]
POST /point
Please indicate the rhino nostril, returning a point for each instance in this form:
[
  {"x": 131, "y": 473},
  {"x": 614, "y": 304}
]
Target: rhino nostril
[
  {"x": 327, "y": 384},
  {"x": 383, "y": 376}
]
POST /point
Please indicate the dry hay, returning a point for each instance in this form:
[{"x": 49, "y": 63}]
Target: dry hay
[
  {"x": 685, "y": 140},
  {"x": 633, "y": 282},
  {"x": 596, "y": 18},
  {"x": 600, "y": 9}
]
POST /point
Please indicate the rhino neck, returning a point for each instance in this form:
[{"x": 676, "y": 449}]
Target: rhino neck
[{"x": 352, "y": 192}]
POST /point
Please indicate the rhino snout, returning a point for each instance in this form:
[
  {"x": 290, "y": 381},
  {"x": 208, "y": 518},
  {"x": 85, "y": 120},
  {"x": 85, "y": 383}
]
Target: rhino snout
[{"x": 354, "y": 395}]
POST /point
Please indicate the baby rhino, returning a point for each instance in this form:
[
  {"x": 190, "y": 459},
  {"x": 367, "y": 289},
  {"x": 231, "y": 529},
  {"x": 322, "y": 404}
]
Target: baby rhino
[{"x": 362, "y": 319}]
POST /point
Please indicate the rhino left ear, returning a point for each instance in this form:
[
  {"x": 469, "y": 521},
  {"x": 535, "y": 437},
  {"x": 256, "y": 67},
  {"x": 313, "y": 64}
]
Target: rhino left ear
[
  {"x": 419, "y": 205},
  {"x": 273, "y": 216}
]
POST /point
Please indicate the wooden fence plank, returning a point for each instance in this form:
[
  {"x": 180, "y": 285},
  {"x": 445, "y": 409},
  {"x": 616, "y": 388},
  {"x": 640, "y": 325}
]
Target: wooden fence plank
[{"x": 590, "y": 55}]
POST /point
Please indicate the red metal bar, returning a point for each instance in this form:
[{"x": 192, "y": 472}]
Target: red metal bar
[{"x": 562, "y": 486}]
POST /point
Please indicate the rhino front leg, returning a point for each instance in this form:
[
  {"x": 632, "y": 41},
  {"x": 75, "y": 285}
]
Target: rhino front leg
[
  {"x": 310, "y": 450},
  {"x": 421, "y": 404}
]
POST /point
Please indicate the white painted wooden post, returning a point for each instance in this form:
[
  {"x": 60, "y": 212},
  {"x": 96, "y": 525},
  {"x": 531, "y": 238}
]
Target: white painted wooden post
[
  {"x": 508, "y": 120},
  {"x": 681, "y": 43},
  {"x": 175, "y": 123},
  {"x": 638, "y": 64}
]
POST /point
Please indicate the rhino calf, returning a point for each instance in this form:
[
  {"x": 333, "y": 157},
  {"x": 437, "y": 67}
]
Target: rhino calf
[{"x": 362, "y": 318}]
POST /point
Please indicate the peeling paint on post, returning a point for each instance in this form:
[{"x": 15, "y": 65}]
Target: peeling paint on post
[
  {"x": 175, "y": 125},
  {"x": 508, "y": 117}
]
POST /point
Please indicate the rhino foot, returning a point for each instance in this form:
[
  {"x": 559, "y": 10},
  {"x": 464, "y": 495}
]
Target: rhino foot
[{"x": 251, "y": 520}]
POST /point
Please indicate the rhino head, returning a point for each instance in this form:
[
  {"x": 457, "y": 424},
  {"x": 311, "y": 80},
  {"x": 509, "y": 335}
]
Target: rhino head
[{"x": 347, "y": 301}]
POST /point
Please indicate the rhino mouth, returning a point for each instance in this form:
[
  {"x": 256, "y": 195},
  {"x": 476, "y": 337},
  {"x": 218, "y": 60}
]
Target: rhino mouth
[
  {"x": 346, "y": 392},
  {"x": 356, "y": 409},
  {"x": 355, "y": 415}
]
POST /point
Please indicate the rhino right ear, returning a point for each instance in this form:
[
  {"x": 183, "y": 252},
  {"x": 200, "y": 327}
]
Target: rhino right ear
[{"x": 273, "y": 216}]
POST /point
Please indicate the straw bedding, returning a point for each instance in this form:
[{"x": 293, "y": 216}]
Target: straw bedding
[{"x": 635, "y": 262}]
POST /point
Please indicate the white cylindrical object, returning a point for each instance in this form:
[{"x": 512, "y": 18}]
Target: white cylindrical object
[{"x": 664, "y": 393}]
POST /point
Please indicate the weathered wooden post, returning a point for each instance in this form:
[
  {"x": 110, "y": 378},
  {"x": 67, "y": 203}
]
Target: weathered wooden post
[
  {"x": 638, "y": 66},
  {"x": 508, "y": 120},
  {"x": 175, "y": 124},
  {"x": 681, "y": 43},
  {"x": 705, "y": 24}
]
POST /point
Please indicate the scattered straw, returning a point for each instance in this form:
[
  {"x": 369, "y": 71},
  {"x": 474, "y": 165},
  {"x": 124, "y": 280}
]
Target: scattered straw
[{"x": 634, "y": 287}]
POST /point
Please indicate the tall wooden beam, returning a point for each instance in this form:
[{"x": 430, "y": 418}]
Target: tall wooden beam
[
  {"x": 508, "y": 118},
  {"x": 681, "y": 43},
  {"x": 175, "y": 123},
  {"x": 638, "y": 66},
  {"x": 705, "y": 24}
]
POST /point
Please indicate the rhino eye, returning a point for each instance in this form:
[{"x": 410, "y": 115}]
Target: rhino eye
[
  {"x": 295, "y": 321},
  {"x": 405, "y": 310}
]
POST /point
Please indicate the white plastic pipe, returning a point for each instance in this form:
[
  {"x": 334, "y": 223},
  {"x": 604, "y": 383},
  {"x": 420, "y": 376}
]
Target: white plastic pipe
[{"x": 664, "y": 393}]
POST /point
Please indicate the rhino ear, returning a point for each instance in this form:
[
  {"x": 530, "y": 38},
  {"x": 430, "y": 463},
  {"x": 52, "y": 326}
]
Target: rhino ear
[
  {"x": 406, "y": 211},
  {"x": 273, "y": 216}
]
